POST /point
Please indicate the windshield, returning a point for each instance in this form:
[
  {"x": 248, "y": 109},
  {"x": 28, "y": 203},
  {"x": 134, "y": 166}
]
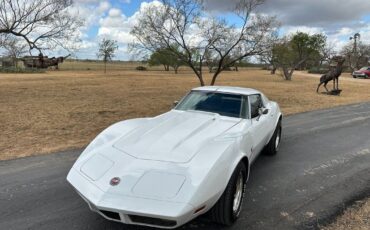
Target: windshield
[
  {"x": 364, "y": 68},
  {"x": 224, "y": 104}
]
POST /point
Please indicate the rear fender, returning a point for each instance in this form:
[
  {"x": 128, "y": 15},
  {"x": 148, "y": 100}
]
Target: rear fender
[{"x": 277, "y": 118}]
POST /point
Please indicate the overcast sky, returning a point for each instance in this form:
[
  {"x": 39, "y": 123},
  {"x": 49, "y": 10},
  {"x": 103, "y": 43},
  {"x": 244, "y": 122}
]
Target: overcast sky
[{"x": 338, "y": 19}]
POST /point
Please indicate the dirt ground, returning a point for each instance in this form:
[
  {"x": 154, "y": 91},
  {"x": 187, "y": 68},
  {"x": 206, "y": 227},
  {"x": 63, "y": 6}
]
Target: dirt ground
[
  {"x": 354, "y": 218},
  {"x": 59, "y": 110}
]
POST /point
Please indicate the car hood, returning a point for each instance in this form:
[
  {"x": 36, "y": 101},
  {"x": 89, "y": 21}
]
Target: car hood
[{"x": 175, "y": 136}]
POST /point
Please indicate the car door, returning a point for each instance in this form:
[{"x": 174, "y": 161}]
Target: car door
[{"x": 259, "y": 124}]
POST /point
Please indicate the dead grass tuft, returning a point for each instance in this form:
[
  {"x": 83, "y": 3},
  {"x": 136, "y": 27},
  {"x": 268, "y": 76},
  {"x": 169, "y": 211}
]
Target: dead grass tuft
[{"x": 354, "y": 218}]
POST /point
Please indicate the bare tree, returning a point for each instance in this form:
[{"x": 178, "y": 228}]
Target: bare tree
[
  {"x": 14, "y": 48},
  {"x": 3, "y": 39},
  {"x": 327, "y": 52},
  {"x": 182, "y": 24},
  {"x": 43, "y": 24},
  {"x": 269, "y": 56},
  {"x": 356, "y": 58},
  {"x": 107, "y": 48}
]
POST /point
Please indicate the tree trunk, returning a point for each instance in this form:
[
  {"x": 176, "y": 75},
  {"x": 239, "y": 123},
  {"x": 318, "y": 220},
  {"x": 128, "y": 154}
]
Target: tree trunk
[
  {"x": 200, "y": 77},
  {"x": 215, "y": 77},
  {"x": 320, "y": 63},
  {"x": 166, "y": 67},
  {"x": 105, "y": 67},
  {"x": 287, "y": 74},
  {"x": 176, "y": 69},
  {"x": 273, "y": 70}
]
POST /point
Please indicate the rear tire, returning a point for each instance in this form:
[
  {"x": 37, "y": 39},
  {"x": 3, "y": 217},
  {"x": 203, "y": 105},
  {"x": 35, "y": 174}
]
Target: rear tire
[
  {"x": 273, "y": 146},
  {"x": 227, "y": 209}
]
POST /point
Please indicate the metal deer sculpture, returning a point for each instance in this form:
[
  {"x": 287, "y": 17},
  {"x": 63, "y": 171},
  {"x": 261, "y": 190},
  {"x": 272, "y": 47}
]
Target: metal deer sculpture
[
  {"x": 332, "y": 75},
  {"x": 42, "y": 62}
]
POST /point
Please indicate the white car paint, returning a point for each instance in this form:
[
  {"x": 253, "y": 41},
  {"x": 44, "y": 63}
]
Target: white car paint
[{"x": 170, "y": 165}]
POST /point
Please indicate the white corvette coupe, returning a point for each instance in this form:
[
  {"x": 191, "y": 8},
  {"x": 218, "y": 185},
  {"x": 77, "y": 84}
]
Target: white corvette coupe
[{"x": 166, "y": 170}]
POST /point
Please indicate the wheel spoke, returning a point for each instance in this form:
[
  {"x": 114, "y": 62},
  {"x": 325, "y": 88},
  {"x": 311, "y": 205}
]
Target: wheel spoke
[
  {"x": 277, "y": 139},
  {"x": 238, "y": 192}
]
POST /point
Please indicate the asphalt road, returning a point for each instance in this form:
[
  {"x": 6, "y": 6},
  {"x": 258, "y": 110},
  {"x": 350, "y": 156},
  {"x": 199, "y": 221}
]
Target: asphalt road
[{"x": 323, "y": 164}]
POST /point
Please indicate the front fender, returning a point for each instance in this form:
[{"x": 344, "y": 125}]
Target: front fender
[
  {"x": 112, "y": 133},
  {"x": 220, "y": 159}
]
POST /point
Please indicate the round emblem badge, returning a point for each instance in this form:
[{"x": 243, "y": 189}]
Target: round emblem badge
[{"x": 114, "y": 181}]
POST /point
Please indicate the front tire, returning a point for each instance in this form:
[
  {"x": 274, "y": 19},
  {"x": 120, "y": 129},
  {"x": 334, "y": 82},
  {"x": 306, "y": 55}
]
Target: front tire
[
  {"x": 273, "y": 146},
  {"x": 227, "y": 209}
]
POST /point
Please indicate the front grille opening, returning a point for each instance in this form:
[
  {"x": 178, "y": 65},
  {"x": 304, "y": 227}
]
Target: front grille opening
[
  {"x": 152, "y": 221},
  {"x": 112, "y": 215}
]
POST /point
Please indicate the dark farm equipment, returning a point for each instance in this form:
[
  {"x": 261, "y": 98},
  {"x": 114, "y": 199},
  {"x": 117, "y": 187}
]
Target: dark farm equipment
[{"x": 42, "y": 62}]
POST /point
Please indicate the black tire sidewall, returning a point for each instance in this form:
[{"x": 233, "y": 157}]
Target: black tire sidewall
[
  {"x": 271, "y": 149},
  {"x": 277, "y": 132},
  {"x": 232, "y": 187}
]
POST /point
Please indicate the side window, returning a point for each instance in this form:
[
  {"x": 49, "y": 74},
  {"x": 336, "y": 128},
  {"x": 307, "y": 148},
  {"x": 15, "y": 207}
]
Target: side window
[
  {"x": 256, "y": 104},
  {"x": 245, "y": 108}
]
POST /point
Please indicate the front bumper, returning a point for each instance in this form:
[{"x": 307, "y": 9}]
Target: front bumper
[
  {"x": 360, "y": 75},
  {"x": 130, "y": 209}
]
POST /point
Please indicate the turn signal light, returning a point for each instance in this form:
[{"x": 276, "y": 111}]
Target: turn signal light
[{"x": 199, "y": 209}]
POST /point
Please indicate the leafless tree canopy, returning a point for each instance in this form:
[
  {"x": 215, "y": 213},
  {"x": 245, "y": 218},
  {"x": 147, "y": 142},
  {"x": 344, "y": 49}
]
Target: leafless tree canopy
[
  {"x": 202, "y": 38},
  {"x": 42, "y": 24},
  {"x": 356, "y": 58},
  {"x": 268, "y": 56},
  {"x": 14, "y": 47},
  {"x": 106, "y": 51}
]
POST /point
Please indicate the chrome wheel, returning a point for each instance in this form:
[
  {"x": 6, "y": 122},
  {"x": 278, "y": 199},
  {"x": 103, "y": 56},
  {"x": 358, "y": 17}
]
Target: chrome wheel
[
  {"x": 238, "y": 195},
  {"x": 227, "y": 209},
  {"x": 277, "y": 139}
]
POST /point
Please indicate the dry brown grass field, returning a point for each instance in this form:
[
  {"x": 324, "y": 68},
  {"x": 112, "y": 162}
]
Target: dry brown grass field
[
  {"x": 356, "y": 217},
  {"x": 59, "y": 110}
]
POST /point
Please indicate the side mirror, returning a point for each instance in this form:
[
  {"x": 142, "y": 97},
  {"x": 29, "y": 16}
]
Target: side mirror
[{"x": 263, "y": 111}]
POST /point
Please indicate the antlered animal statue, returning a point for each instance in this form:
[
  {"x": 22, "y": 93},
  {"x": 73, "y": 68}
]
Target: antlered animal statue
[
  {"x": 42, "y": 62},
  {"x": 333, "y": 75}
]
